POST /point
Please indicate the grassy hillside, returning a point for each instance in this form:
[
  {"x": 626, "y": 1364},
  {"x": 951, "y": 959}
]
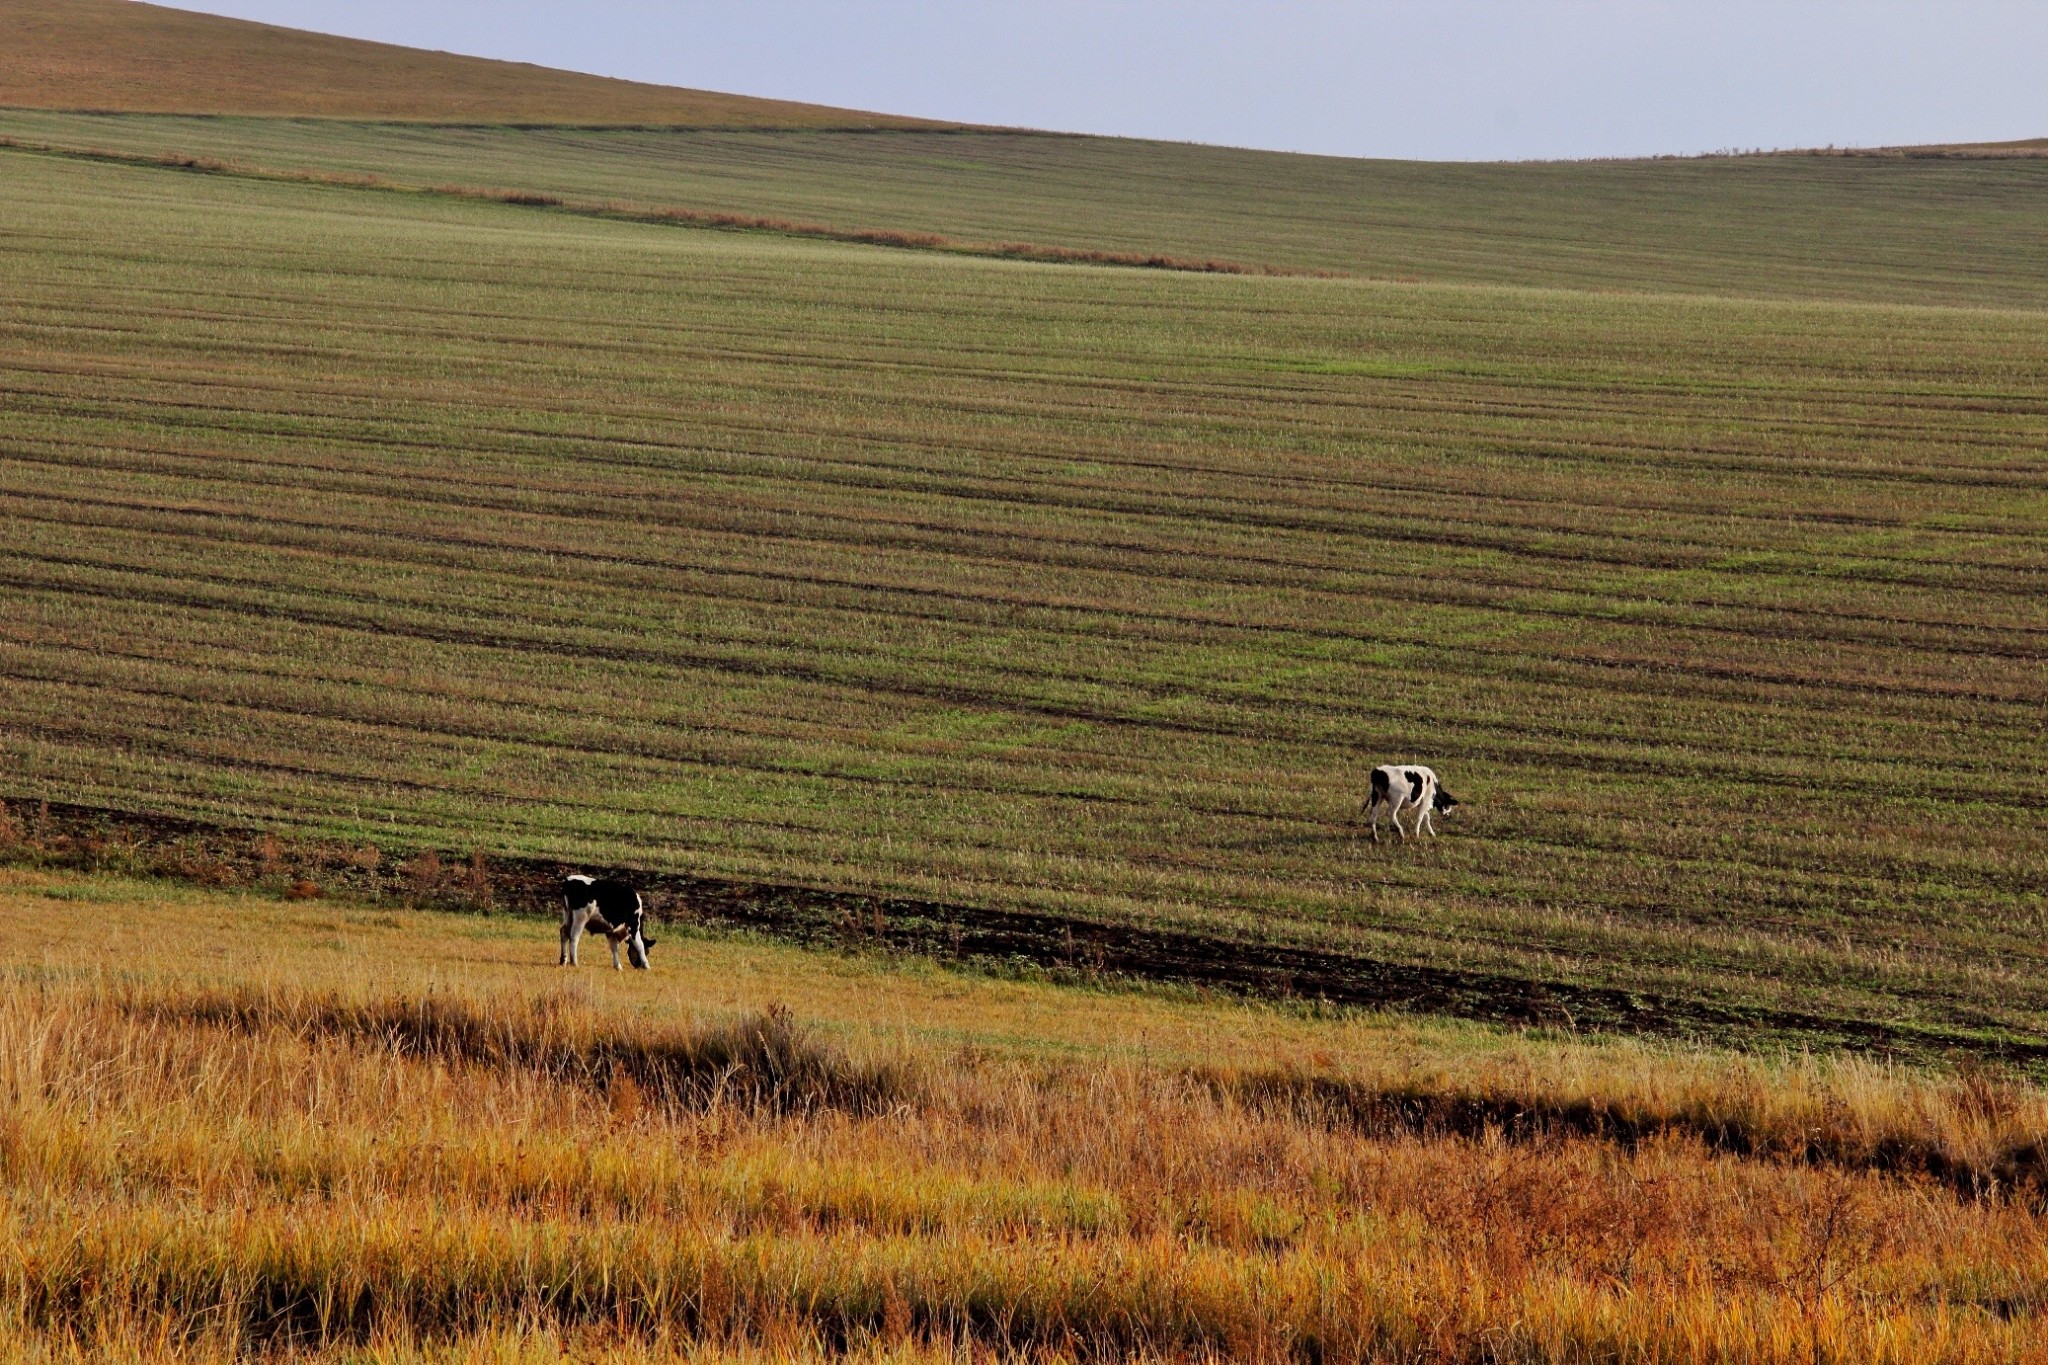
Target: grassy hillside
[
  {"x": 1088, "y": 591},
  {"x": 244, "y": 1129},
  {"x": 1926, "y": 231},
  {"x": 120, "y": 55}
]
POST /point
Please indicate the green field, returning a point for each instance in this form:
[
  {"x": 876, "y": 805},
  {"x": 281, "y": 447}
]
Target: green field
[
  {"x": 1910, "y": 231},
  {"x": 406, "y": 520}
]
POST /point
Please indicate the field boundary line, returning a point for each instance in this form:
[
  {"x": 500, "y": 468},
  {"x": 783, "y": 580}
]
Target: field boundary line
[{"x": 672, "y": 215}]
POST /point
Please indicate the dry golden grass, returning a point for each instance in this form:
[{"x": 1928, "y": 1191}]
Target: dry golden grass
[
  {"x": 353, "y": 1133},
  {"x": 114, "y": 55}
]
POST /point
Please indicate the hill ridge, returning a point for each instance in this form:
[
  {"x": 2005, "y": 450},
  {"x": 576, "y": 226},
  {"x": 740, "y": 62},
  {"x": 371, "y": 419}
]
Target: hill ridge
[{"x": 124, "y": 56}]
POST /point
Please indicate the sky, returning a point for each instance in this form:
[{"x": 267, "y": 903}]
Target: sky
[{"x": 1424, "y": 79}]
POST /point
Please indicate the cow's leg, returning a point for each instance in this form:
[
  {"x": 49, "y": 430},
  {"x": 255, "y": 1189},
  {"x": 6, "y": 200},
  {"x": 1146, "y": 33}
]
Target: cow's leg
[
  {"x": 1374, "y": 805},
  {"x": 562, "y": 959},
  {"x": 1418, "y": 797},
  {"x": 613, "y": 939},
  {"x": 574, "y": 932}
]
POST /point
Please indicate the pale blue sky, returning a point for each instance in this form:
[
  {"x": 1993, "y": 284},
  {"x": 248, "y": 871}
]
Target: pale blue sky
[{"x": 1438, "y": 79}]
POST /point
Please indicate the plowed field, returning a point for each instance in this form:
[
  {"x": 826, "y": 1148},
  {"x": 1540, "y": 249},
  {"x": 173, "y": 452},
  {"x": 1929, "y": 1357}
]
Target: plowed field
[{"x": 1085, "y": 591}]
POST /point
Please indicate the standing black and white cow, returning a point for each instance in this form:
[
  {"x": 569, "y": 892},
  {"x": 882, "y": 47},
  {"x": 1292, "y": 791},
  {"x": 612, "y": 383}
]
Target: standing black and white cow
[
  {"x": 611, "y": 907},
  {"x": 1398, "y": 787}
]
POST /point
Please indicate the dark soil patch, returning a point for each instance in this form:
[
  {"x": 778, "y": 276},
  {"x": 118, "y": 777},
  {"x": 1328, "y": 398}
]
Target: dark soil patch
[{"x": 88, "y": 837}]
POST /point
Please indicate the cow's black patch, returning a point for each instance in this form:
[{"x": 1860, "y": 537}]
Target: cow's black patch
[
  {"x": 1444, "y": 801},
  {"x": 616, "y": 901},
  {"x": 617, "y": 912},
  {"x": 1379, "y": 783}
]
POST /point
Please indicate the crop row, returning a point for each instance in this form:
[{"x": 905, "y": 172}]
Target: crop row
[{"x": 432, "y": 522}]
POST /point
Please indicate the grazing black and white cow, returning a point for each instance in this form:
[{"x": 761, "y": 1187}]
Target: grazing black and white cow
[
  {"x": 612, "y": 908},
  {"x": 1398, "y": 787}
]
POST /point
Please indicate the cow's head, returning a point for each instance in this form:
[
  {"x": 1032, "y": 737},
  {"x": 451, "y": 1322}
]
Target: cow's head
[
  {"x": 637, "y": 942},
  {"x": 1444, "y": 800}
]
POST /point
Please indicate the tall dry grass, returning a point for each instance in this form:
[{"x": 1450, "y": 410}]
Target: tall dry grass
[
  {"x": 1979, "y": 1131},
  {"x": 263, "y": 1169}
]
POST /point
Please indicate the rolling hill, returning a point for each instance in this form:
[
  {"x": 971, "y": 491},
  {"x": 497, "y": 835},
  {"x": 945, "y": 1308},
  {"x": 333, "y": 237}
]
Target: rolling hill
[
  {"x": 1958, "y": 225},
  {"x": 128, "y": 56},
  {"x": 1905, "y": 230}
]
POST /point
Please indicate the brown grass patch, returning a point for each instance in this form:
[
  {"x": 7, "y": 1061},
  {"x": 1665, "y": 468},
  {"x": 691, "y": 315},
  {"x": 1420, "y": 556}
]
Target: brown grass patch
[
  {"x": 1979, "y": 1133},
  {"x": 770, "y": 1061}
]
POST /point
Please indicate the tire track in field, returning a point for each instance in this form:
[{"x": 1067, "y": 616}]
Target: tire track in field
[
  {"x": 267, "y": 526},
  {"x": 521, "y": 494},
  {"x": 1537, "y": 390},
  {"x": 964, "y": 539},
  {"x": 1208, "y": 388},
  {"x": 1528, "y": 756},
  {"x": 1745, "y": 674},
  {"x": 519, "y": 636},
  {"x": 1662, "y": 458},
  {"x": 1496, "y": 741},
  {"x": 1728, "y": 672},
  {"x": 1215, "y": 506},
  {"x": 370, "y": 483}
]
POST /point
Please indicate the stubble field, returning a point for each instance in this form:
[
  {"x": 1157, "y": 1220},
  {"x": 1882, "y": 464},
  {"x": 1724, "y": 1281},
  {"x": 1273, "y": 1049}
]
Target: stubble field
[{"x": 414, "y": 521}]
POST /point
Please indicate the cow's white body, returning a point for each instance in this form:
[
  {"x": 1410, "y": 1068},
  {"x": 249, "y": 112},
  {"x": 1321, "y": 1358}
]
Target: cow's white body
[
  {"x": 611, "y": 906},
  {"x": 1401, "y": 787}
]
